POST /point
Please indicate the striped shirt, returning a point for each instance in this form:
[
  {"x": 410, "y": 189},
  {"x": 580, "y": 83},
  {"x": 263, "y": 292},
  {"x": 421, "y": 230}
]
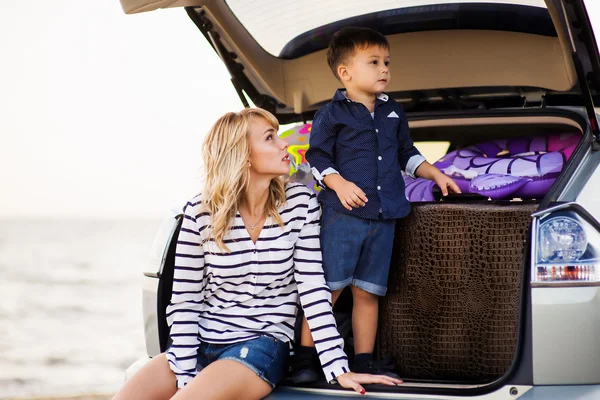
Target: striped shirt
[{"x": 254, "y": 290}]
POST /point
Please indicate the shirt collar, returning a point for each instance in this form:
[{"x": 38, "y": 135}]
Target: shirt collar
[
  {"x": 383, "y": 97},
  {"x": 341, "y": 95}
]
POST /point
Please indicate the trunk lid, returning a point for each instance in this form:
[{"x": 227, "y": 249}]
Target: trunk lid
[{"x": 445, "y": 54}]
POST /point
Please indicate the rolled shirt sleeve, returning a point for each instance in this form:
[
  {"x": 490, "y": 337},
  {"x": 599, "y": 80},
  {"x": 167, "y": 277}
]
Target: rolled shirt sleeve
[
  {"x": 413, "y": 163},
  {"x": 409, "y": 157}
]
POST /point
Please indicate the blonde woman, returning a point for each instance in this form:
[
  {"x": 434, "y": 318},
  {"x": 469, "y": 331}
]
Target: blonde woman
[{"x": 248, "y": 250}]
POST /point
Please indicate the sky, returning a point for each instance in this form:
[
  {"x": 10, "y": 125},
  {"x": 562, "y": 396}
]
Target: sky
[{"x": 102, "y": 114}]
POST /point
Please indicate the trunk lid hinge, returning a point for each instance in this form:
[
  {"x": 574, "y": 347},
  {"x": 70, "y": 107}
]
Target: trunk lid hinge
[{"x": 240, "y": 81}]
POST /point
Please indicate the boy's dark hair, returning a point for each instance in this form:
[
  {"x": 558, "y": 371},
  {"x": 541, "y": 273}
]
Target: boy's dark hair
[{"x": 347, "y": 40}]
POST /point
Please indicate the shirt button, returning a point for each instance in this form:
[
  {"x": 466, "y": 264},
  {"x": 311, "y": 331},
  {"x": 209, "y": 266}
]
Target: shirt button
[
  {"x": 376, "y": 130},
  {"x": 380, "y": 158},
  {"x": 378, "y": 187}
]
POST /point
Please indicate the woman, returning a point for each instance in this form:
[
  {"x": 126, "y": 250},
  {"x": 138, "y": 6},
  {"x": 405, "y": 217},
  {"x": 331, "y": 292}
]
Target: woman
[{"x": 247, "y": 250}]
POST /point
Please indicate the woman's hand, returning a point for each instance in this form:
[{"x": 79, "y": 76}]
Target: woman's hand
[{"x": 351, "y": 380}]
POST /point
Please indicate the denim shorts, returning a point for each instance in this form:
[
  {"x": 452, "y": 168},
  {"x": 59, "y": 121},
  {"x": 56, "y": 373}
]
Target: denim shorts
[
  {"x": 356, "y": 251},
  {"x": 265, "y": 355}
]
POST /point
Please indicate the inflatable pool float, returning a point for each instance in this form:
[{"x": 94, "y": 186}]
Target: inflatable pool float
[
  {"x": 297, "y": 138},
  {"x": 524, "y": 167}
]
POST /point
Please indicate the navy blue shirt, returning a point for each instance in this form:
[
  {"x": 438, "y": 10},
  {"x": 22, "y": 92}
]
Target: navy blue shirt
[{"x": 369, "y": 150}]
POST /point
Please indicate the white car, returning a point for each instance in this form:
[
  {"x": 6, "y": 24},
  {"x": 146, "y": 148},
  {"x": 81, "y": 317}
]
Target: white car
[{"x": 493, "y": 299}]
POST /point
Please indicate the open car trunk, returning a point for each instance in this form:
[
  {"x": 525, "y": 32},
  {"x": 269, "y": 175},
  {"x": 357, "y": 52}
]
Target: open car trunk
[
  {"x": 453, "y": 305},
  {"x": 465, "y": 74},
  {"x": 455, "y": 293}
]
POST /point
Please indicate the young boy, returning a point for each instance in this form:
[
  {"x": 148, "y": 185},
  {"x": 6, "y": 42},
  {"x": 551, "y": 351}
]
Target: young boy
[{"x": 358, "y": 146}]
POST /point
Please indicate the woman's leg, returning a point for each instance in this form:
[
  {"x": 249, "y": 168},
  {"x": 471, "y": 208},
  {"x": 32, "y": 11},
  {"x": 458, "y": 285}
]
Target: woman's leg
[
  {"x": 227, "y": 380},
  {"x": 155, "y": 381}
]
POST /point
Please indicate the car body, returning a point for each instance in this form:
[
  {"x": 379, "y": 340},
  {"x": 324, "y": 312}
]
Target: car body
[{"x": 462, "y": 65}]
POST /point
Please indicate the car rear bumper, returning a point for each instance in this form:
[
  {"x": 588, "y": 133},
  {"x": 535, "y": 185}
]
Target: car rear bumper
[
  {"x": 285, "y": 393},
  {"x": 571, "y": 392}
]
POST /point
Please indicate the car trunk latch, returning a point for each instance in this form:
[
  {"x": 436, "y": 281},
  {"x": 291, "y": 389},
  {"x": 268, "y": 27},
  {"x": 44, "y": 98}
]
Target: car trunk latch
[{"x": 535, "y": 99}]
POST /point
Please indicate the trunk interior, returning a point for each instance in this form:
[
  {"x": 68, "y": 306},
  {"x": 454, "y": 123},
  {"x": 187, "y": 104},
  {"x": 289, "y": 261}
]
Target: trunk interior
[
  {"x": 452, "y": 311},
  {"x": 452, "y": 308}
]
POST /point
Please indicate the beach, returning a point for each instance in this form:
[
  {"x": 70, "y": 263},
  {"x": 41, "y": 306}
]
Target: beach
[{"x": 71, "y": 314}]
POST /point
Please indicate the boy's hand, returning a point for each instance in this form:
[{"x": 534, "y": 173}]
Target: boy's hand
[
  {"x": 351, "y": 380},
  {"x": 445, "y": 182},
  {"x": 350, "y": 195},
  {"x": 428, "y": 171}
]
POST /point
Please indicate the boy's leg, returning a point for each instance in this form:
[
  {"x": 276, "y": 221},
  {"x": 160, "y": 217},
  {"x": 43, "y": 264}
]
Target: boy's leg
[
  {"x": 369, "y": 283},
  {"x": 307, "y": 365},
  {"x": 306, "y": 338},
  {"x": 364, "y": 320}
]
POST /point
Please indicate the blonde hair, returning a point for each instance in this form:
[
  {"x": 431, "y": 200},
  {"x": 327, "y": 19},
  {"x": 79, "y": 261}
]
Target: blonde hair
[{"x": 226, "y": 151}]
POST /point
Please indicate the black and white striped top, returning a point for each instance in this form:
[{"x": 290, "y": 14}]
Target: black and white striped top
[{"x": 253, "y": 290}]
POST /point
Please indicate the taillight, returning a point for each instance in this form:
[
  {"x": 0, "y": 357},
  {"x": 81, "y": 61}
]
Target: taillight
[{"x": 566, "y": 247}]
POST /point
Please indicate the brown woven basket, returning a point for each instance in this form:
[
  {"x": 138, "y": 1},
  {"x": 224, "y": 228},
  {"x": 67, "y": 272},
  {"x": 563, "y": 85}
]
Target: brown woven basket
[{"x": 453, "y": 299}]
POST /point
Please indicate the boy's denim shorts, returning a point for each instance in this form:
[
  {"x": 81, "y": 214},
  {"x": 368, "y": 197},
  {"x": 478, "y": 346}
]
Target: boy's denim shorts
[
  {"x": 265, "y": 355},
  {"x": 356, "y": 251}
]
